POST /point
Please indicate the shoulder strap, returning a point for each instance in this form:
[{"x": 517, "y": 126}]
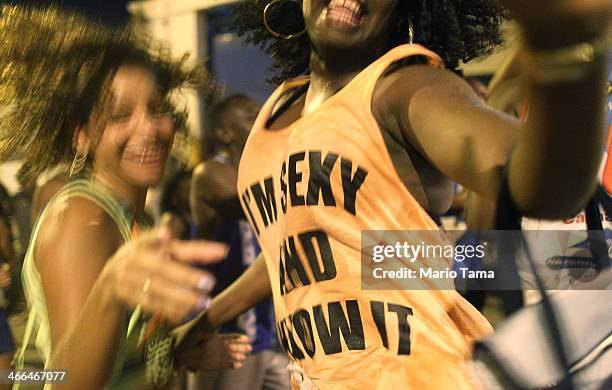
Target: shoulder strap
[
  {"x": 267, "y": 110},
  {"x": 375, "y": 70},
  {"x": 102, "y": 197}
]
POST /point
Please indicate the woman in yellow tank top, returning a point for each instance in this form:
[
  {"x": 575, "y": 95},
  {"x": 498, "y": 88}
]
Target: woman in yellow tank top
[
  {"x": 369, "y": 140},
  {"x": 97, "y": 99}
]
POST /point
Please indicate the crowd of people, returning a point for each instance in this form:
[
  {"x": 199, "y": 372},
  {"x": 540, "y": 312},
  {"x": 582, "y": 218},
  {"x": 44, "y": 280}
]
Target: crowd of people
[{"x": 252, "y": 275}]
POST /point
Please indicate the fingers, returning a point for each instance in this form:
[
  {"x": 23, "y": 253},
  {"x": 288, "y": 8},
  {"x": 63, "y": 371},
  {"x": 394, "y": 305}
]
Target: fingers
[
  {"x": 186, "y": 276},
  {"x": 173, "y": 303},
  {"x": 151, "y": 279},
  {"x": 203, "y": 252},
  {"x": 237, "y": 348},
  {"x": 151, "y": 271},
  {"x": 165, "y": 299},
  {"x": 217, "y": 352}
]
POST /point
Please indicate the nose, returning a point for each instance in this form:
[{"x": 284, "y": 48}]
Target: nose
[{"x": 147, "y": 125}]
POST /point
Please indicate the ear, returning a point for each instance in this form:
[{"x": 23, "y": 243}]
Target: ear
[{"x": 80, "y": 140}]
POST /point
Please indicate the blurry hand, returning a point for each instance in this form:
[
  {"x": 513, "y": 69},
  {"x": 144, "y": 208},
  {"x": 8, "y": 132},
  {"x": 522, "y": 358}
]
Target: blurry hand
[
  {"x": 213, "y": 351},
  {"x": 561, "y": 20},
  {"x": 154, "y": 271}
]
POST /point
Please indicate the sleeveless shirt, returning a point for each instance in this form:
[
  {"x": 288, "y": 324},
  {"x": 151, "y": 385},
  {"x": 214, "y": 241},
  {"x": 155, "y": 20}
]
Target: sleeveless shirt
[
  {"x": 309, "y": 190},
  {"x": 38, "y": 320}
]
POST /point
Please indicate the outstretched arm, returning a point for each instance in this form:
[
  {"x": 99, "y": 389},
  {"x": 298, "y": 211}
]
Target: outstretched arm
[
  {"x": 89, "y": 285},
  {"x": 555, "y": 153},
  {"x": 250, "y": 288}
]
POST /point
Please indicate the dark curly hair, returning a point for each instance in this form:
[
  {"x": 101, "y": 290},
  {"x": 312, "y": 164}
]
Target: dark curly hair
[
  {"x": 56, "y": 69},
  {"x": 458, "y": 30}
]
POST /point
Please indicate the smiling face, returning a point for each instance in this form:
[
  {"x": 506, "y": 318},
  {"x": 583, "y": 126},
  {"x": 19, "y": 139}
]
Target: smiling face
[
  {"x": 355, "y": 25},
  {"x": 138, "y": 134}
]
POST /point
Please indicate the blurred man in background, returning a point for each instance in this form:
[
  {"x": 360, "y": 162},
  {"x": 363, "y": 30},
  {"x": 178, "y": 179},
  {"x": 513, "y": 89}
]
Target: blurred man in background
[{"x": 217, "y": 211}]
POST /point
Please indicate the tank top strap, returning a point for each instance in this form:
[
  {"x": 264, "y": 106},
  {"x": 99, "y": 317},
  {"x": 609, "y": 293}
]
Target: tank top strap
[
  {"x": 370, "y": 76},
  {"x": 268, "y": 108},
  {"x": 102, "y": 197}
]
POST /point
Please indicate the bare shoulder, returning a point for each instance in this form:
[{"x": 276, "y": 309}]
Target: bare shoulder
[
  {"x": 215, "y": 176},
  {"x": 399, "y": 87},
  {"x": 211, "y": 169},
  {"x": 76, "y": 227}
]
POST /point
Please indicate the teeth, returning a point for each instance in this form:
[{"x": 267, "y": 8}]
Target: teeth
[
  {"x": 146, "y": 153},
  {"x": 345, "y": 11}
]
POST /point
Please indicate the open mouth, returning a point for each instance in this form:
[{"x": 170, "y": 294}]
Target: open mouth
[
  {"x": 345, "y": 13},
  {"x": 149, "y": 154}
]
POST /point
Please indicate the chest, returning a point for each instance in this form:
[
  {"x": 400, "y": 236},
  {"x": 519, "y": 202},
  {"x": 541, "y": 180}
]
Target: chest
[{"x": 431, "y": 189}]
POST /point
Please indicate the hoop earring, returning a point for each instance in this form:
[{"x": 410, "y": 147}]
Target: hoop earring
[
  {"x": 274, "y": 33},
  {"x": 410, "y": 32},
  {"x": 78, "y": 163}
]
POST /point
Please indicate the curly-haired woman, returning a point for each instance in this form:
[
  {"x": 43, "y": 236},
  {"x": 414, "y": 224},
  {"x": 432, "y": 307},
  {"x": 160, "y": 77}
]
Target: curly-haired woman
[
  {"x": 371, "y": 139},
  {"x": 97, "y": 100}
]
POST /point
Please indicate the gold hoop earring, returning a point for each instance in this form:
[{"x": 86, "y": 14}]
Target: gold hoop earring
[
  {"x": 410, "y": 32},
  {"x": 78, "y": 163},
  {"x": 274, "y": 33}
]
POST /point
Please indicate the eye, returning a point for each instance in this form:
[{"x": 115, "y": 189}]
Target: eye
[{"x": 122, "y": 115}]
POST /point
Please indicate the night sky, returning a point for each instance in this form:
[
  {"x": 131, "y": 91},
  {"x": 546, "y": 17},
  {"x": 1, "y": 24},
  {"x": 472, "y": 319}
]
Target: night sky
[{"x": 110, "y": 11}]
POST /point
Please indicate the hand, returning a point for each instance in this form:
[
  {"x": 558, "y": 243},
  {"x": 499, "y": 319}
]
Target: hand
[
  {"x": 154, "y": 272},
  {"x": 559, "y": 22},
  {"x": 5, "y": 277},
  {"x": 212, "y": 351}
]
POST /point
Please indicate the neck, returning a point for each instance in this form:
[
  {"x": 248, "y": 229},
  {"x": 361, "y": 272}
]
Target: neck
[
  {"x": 134, "y": 196},
  {"x": 325, "y": 80},
  {"x": 330, "y": 73}
]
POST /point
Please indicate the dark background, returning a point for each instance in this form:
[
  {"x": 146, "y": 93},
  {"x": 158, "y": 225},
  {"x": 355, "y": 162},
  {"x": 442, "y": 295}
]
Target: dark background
[{"x": 110, "y": 11}]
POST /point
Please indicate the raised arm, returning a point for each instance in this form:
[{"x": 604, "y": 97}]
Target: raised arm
[{"x": 554, "y": 155}]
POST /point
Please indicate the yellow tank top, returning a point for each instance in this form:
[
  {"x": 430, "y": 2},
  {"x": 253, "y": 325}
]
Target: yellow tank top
[{"x": 309, "y": 190}]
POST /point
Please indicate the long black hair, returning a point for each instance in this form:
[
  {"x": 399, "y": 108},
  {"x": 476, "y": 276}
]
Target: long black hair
[{"x": 458, "y": 30}]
